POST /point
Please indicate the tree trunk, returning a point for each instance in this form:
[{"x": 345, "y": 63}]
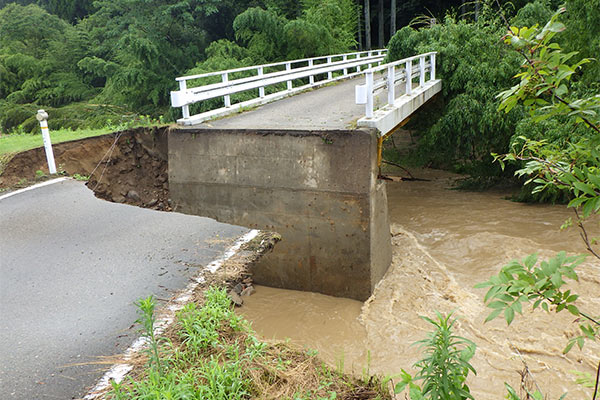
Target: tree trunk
[
  {"x": 367, "y": 26},
  {"x": 360, "y": 46},
  {"x": 393, "y": 18},
  {"x": 476, "y": 10},
  {"x": 381, "y": 20},
  {"x": 462, "y": 9}
]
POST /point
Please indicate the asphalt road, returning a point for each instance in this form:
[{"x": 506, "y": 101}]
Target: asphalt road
[
  {"x": 329, "y": 107},
  {"x": 71, "y": 267}
]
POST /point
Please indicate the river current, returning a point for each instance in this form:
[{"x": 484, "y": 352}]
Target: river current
[{"x": 445, "y": 241}]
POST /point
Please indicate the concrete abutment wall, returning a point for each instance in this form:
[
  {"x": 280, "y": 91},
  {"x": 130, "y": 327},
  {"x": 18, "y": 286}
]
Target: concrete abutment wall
[{"x": 318, "y": 189}]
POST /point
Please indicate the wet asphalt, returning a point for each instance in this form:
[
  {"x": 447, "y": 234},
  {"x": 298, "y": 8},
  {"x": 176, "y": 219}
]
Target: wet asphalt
[{"x": 71, "y": 268}]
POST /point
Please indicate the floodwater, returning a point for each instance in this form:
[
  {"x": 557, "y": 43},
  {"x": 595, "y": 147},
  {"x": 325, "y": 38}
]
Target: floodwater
[{"x": 446, "y": 241}]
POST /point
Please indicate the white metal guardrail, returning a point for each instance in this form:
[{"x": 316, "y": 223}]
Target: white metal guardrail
[
  {"x": 366, "y": 93},
  {"x": 350, "y": 64}
]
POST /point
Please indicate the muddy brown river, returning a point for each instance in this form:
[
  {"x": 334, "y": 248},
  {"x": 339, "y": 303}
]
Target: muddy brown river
[{"x": 446, "y": 241}]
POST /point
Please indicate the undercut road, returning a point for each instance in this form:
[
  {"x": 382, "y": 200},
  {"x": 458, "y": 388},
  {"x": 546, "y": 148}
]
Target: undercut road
[{"x": 71, "y": 267}]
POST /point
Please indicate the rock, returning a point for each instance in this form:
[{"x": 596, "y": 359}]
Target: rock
[
  {"x": 152, "y": 203},
  {"x": 247, "y": 281},
  {"x": 118, "y": 199},
  {"x": 249, "y": 291},
  {"x": 235, "y": 298},
  {"x": 238, "y": 288},
  {"x": 133, "y": 195}
]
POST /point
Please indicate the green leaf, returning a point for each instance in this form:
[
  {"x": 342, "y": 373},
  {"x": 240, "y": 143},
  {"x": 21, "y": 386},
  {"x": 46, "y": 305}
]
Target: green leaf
[
  {"x": 585, "y": 188},
  {"x": 400, "y": 387},
  {"x": 497, "y": 304},
  {"x": 416, "y": 394},
  {"x": 509, "y": 315},
  {"x": 493, "y": 315},
  {"x": 573, "y": 310},
  {"x": 517, "y": 307},
  {"x": 569, "y": 346}
]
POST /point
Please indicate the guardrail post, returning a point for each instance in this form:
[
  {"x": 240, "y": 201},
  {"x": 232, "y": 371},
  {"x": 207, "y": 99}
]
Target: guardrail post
[
  {"x": 226, "y": 97},
  {"x": 288, "y": 67},
  {"x": 432, "y": 67},
  {"x": 330, "y": 73},
  {"x": 369, "y": 105},
  {"x": 421, "y": 71},
  {"x": 408, "y": 74},
  {"x": 345, "y": 69},
  {"x": 311, "y": 79},
  {"x": 42, "y": 116},
  {"x": 185, "y": 110},
  {"x": 261, "y": 90},
  {"x": 391, "y": 71}
]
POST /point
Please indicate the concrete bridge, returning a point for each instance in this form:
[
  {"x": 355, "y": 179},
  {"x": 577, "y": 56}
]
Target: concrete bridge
[{"x": 295, "y": 147}]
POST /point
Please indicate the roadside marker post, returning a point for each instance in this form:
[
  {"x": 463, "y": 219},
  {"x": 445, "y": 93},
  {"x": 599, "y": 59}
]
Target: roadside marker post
[{"x": 42, "y": 116}]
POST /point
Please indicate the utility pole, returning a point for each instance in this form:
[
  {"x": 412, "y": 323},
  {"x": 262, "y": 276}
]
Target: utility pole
[
  {"x": 367, "y": 25},
  {"x": 381, "y": 20},
  {"x": 393, "y": 18}
]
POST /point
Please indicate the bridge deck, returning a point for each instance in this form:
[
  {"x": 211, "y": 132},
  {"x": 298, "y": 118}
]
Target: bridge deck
[{"x": 328, "y": 108}]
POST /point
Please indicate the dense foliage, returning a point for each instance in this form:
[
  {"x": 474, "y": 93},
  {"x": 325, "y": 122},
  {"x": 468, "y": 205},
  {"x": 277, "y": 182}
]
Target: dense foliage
[
  {"x": 120, "y": 57},
  {"x": 93, "y": 63},
  {"x": 462, "y": 128},
  {"x": 473, "y": 65}
]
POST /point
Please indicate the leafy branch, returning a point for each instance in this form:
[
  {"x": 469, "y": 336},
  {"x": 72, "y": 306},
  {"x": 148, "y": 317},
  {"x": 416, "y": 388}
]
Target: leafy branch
[
  {"x": 546, "y": 73},
  {"x": 542, "y": 284}
]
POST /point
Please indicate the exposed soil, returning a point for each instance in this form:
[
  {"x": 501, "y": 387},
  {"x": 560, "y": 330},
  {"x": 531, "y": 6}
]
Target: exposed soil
[{"x": 123, "y": 167}]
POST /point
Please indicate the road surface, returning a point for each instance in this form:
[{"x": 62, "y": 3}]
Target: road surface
[{"x": 71, "y": 267}]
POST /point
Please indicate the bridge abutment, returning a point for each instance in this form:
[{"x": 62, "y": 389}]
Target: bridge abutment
[{"x": 318, "y": 189}]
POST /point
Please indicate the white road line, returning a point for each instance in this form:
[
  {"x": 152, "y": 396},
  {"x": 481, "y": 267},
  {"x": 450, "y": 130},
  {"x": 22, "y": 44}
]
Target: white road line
[
  {"x": 118, "y": 371},
  {"x": 33, "y": 187}
]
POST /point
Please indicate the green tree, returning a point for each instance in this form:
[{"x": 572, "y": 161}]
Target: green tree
[
  {"x": 463, "y": 126},
  {"x": 544, "y": 88}
]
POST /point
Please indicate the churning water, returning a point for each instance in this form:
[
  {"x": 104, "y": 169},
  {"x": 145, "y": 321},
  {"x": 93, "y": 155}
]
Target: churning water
[{"x": 446, "y": 241}]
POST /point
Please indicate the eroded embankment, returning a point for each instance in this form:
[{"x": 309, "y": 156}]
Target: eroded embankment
[{"x": 124, "y": 167}]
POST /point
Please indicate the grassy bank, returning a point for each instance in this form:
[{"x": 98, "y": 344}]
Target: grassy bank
[
  {"x": 15, "y": 143},
  {"x": 212, "y": 353}
]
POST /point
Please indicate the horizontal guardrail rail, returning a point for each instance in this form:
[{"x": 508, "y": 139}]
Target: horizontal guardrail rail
[
  {"x": 365, "y": 93},
  {"x": 350, "y": 64}
]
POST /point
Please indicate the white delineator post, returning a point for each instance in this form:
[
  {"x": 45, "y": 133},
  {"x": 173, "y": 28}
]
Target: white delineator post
[{"x": 42, "y": 116}]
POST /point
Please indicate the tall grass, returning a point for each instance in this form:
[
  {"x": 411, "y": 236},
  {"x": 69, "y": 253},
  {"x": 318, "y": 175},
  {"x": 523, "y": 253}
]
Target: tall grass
[{"x": 18, "y": 142}]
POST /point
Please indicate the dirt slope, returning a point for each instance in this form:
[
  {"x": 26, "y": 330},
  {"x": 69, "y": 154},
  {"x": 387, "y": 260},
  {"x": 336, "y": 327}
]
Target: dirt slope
[{"x": 124, "y": 167}]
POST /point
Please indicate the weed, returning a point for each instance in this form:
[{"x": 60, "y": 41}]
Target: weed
[
  {"x": 39, "y": 174},
  {"x": 444, "y": 368},
  {"x": 79, "y": 177},
  {"x": 146, "y": 307},
  {"x": 214, "y": 355}
]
